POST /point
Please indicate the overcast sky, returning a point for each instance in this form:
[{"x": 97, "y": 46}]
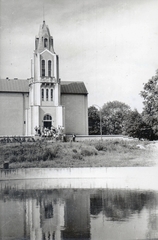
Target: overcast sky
[{"x": 111, "y": 45}]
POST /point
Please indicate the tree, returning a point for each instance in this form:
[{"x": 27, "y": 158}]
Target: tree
[
  {"x": 114, "y": 114},
  {"x": 134, "y": 126},
  {"x": 150, "y": 110},
  {"x": 94, "y": 121}
]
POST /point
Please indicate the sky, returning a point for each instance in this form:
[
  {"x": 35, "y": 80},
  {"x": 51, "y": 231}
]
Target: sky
[{"x": 110, "y": 45}]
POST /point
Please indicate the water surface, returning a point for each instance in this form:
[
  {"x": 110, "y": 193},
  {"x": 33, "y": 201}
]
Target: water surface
[{"x": 74, "y": 213}]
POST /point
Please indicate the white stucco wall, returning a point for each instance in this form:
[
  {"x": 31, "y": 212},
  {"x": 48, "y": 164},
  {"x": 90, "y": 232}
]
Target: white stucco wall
[
  {"x": 12, "y": 113},
  {"x": 16, "y": 120},
  {"x": 76, "y": 113}
]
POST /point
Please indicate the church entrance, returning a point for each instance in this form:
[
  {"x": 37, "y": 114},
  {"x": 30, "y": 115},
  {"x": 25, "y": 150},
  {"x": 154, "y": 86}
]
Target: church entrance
[{"x": 47, "y": 121}]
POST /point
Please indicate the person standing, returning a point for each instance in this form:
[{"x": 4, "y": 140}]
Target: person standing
[{"x": 73, "y": 137}]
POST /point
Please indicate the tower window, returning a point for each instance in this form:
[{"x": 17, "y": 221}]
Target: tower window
[
  {"x": 45, "y": 42},
  {"x": 43, "y": 68},
  {"x": 49, "y": 68},
  {"x": 52, "y": 42},
  {"x": 42, "y": 94},
  {"x": 47, "y": 95},
  {"x": 51, "y": 94}
]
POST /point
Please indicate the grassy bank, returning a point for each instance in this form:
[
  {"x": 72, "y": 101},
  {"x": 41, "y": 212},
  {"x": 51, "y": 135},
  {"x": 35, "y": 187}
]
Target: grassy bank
[{"x": 107, "y": 153}]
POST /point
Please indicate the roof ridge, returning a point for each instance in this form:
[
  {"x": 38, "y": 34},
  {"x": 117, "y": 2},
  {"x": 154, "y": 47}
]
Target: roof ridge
[{"x": 19, "y": 85}]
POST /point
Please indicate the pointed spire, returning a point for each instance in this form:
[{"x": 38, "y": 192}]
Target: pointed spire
[{"x": 44, "y": 39}]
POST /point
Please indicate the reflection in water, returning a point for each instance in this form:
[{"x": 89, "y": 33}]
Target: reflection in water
[
  {"x": 78, "y": 214},
  {"x": 119, "y": 205}
]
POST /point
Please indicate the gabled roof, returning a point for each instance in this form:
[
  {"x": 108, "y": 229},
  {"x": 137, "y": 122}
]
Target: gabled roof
[
  {"x": 7, "y": 85},
  {"x": 22, "y": 86},
  {"x": 68, "y": 87}
]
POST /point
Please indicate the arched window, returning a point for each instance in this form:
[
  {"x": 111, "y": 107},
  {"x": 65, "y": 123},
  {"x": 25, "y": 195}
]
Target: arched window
[
  {"x": 45, "y": 42},
  {"x": 47, "y": 94},
  {"x": 49, "y": 68},
  {"x": 51, "y": 94},
  {"x": 43, "y": 68},
  {"x": 42, "y": 93},
  {"x": 47, "y": 121},
  {"x": 47, "y": 117}
]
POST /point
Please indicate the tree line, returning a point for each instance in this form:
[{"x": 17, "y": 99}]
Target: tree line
[{"x": 117, "y": 118}]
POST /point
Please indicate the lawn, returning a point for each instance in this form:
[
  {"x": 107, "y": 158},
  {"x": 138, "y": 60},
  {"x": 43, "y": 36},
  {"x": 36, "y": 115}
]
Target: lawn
[{"x": 106, "y": 153}]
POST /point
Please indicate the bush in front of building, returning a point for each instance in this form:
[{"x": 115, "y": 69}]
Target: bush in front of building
[
  {"x": 100, "y": 146},
  {"x": 49, "y": 154},
  {"x": 88, "y": 151}
]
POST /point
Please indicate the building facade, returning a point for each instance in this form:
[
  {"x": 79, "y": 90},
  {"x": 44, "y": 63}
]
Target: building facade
[{"x": 43, "y": 100}]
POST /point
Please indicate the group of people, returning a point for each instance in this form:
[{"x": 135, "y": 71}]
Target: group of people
[
  {"x": 49, "y": 132},
  {"x": 57, "y": 133},
  {"x": 52, "y": 132}
]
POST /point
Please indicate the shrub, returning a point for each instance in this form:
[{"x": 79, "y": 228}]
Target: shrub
[
  {"x": 12, "y": 159},
  {"x": 47, "y": 154},
  {"x": 88, "y": 151},
  {"x": 50, "y": 153},
  {"x": 77, "y": 156},
  {"x": 74, "y": 150},
  {"x": 22, "y": 158},
  {"x": 99, "y": 146}
]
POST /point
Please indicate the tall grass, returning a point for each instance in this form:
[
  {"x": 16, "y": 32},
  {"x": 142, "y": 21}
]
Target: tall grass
[
  {"x": 45, "y": 154},
  {"x": 29, "y": 153}
]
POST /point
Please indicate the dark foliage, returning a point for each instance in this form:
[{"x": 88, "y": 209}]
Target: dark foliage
[
  {"x": 94, "y": 121},
  {"x": 150, "y": 110}
]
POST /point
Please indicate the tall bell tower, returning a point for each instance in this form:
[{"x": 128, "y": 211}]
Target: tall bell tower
[{"x": 44, "y": 87}]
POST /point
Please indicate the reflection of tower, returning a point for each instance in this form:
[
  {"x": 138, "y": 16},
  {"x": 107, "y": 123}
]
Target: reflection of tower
[
  {"x": 45, "y": 220},
  {"x": 77, "y": 216},
  {"x": 52, "y": 219},
  {"x": 33, "y": 219}
]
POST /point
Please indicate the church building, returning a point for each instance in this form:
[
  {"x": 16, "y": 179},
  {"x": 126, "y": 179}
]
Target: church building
[{"x": 43, "y": 100}]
